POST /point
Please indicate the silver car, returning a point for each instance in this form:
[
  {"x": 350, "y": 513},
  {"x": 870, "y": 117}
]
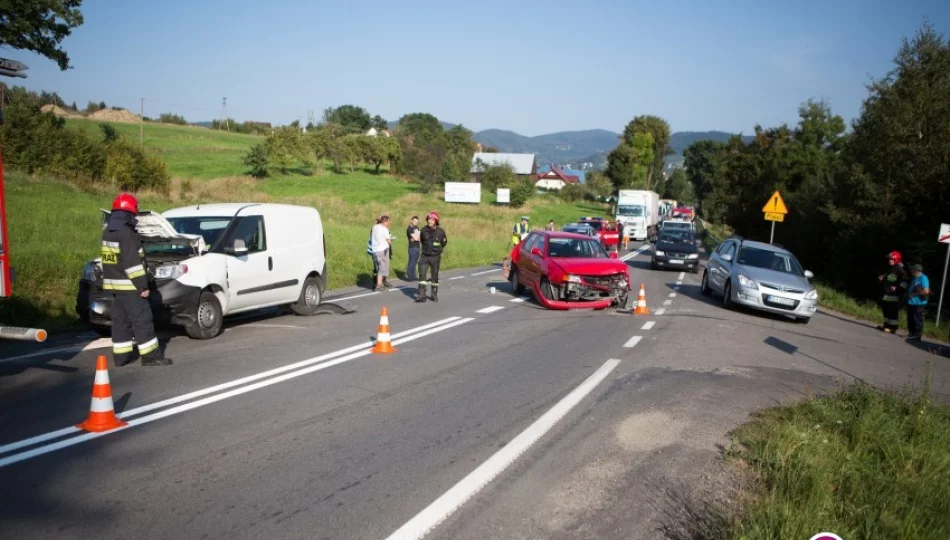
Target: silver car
[{"x": 760, "y": 276}]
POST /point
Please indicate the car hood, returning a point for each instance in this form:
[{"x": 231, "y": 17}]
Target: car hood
[
  {"x": 775, "y": 278},
  {"x": 590, "y": 267},
  {"x": 676, "y": 248},
  {"x": 153, "y": 228}
]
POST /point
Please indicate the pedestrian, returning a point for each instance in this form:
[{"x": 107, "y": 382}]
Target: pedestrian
[
  {"x": 433, "y": 241},
  {"x": 894, "y": 287},
  {"x": 917, "y": 294},
  {"x": 621, "y": 237},
  {"x": 550, "y": 226},
  {"x": 381, "y": 243},
  {"x": 412, "y": 233},
  {"x": 123, "y": 274}
]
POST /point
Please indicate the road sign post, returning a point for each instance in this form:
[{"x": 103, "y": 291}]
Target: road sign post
[
  {"x": 774, "y": 210},
  {"x": 943, "y": 238}
]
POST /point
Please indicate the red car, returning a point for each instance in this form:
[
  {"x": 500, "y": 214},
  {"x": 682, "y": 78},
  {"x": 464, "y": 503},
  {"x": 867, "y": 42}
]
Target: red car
[{"x": 568, "y": 271}]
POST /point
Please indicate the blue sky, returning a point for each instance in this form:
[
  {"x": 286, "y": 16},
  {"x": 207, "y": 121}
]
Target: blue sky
[{"x": 531, "y": 67}]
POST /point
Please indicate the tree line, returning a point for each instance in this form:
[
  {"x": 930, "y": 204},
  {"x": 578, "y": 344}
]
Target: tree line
[
  {"x": 855, "y": 195},
  {"x": 639, "y": 158}
]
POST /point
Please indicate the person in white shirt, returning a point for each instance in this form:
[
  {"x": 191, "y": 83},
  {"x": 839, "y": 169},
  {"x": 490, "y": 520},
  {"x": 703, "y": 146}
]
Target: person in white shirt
[{"x": 381, "y": 241}]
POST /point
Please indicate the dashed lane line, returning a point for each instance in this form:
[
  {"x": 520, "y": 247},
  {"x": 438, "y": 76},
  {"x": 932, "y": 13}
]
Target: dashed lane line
[
  {"x": 660, "y": 311},
  {"x": 672, "y": 295},
  {"x": 519, "y": 300},
  {"x": 632, "y": 342},
  {"x": 456, "y": 277},
  {"x": 490, "y": 309},
  {"x": 486, "y": 272},
  {"x": 681, "y": 276},
  {"x": 648, "y": 325},
  {"x": 667, "y": 302}
]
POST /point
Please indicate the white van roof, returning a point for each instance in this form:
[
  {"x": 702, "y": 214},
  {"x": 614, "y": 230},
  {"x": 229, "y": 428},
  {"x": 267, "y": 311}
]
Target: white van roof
[{"x": 230, "y": 209}]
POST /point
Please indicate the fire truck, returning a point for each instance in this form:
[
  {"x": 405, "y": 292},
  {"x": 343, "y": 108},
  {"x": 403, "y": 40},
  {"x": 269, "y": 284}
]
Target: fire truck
[{"x": 10, "y": 68}]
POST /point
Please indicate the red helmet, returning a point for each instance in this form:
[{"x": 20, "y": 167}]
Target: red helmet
[
  {"x": 434, "y": 215},
  {"x": 896, "y": 255},
  {"x": 126, "y": 202}
]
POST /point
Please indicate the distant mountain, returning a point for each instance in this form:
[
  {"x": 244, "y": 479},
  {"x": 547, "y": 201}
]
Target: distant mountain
[{"x": 563, "y": 148}]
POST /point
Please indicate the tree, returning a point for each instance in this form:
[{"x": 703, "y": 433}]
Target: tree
[
  {"x": 256, "y": 160},
  {"x": 679, "y": 187},
  {"x": 700, "y": 168},
  {"x": 628, "y": 165},
  {"x": 520, "y": 193},
  {"x": 351, "y": 118},
  {"x": 284, "y": 147},
  {"x": 459, "y": 150},
  {"x": 109, "y": 133},
  {"x": 659, "y": 129},
  {"x": 598, "y": 185},
  {"x": 39, "y": 26},
  {"x": 425, "y": 163},
  {"x": 497, "y": 176},
  {"x": 380, "y": 123},
  {"x": 423, "y": 128}
]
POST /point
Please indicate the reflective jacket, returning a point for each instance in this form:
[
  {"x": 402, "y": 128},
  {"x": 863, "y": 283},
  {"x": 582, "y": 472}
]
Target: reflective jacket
[
  {"x": 123, "y": 270},
  {"x": 897, "y": 277},
  {"x": 433, "y": 241}
]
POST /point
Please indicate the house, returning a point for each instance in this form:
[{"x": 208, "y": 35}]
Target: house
[
  {"x": 556, "y": 178},
  {"x": 373, "y": 132},
  {"x": 525, "y": 165}
]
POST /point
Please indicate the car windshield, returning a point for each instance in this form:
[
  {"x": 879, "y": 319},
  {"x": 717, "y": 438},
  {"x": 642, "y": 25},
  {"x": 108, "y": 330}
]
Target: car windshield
[
  {"x": 574, "y": 248},
  {"x": 771, "y": 260},
  {"x": 596, "y": 225},
  {"x": 209, "y": 227},
  {"x": 632, "y": 210},
  {"x": 676, "y": 237}
]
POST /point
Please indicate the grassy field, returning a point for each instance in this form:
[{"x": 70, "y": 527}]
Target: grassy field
[
  {"x": 861, "y": 463},
  {"x": 54, "y": 228}
]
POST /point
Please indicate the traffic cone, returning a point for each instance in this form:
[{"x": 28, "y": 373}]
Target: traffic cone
[
  {"x": 101, "y": 411},
  {"x": 641, "y": 303},
  {"x": 383, "y": 344}
]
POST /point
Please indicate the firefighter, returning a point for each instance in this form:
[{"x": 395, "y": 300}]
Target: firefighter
[
  {"x": 123, "y": 274},
  {"x": 894, "y": 287},
  {"x": 519, "y": 231},
  {"x": 433, "y": 241}
]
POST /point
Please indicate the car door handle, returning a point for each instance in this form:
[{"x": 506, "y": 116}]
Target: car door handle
[{"x": 270, "y": 263}]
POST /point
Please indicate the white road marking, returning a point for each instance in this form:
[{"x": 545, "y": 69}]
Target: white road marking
[
  {"x": 490, "y": 309},
  {"x": 633, "y": 254},
  {"x": 519, "y": 299},
  {"x": 667, "y": 302},
  {"x": 632, "y": 342},
  {"x": 486, "y": 272},
  {"x": 400, "y": 288},
  {"x": 682, "y": 275},
  {"x": 678, "y": 283},
  {"x": 648, "y": 325},
  {"x": 660, "y": 311},
  {"x": 100, "y": 343},
  {"x": 210, "y": 390},
  {"x": 456, "y": 277},
  {"x": 465, "y": 489},
  {"x": 351, "y": 297},
  {"x": 672, "y": 295}
]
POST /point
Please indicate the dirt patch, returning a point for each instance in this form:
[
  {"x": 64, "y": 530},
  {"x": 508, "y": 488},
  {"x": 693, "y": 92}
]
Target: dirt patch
[
  {"x": 115, "y": 115},
  {"x": 644, "y": 432},
  {"x": 60, "y": 112}
]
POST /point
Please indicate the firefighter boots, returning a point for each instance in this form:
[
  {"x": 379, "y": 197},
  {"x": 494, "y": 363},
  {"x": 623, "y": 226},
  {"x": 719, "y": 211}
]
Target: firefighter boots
[
  {"x": 421, "y": 295},
  {"x": 435, "y": 293},
  {"x": 156, "y": 360}
]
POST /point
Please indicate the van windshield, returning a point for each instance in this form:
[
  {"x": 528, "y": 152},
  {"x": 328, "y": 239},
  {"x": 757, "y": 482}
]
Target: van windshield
[{"x": 209, "y": 227}]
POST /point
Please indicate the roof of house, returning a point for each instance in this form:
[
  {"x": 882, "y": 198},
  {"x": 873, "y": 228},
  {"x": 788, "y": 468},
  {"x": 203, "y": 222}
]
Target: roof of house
[
  {"x": 581, "y": 175},
  {"x": 522, "y": 163},
  {"x": 556, "y": 173}
]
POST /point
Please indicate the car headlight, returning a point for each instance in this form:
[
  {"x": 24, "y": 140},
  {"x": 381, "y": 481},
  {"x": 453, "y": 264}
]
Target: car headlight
[
  {"x": 812, "y": 295},
  {"x": 660, "y": 253},
  {"x": 747, "y": 283},
  {"x": 170, "y": 271},
  {"x": 573, "y": 279},
  {"x": 89, "y": 271},
  {"x": 693, "y": 256}
]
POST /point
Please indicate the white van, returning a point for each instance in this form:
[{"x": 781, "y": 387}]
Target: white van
[{"x": 212, "y": 260}]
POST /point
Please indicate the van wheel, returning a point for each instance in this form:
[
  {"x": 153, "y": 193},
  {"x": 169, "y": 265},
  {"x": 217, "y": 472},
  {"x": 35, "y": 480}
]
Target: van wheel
[
  {"x": 310, "y": 296},
  {"x": 208, "y": 318}
]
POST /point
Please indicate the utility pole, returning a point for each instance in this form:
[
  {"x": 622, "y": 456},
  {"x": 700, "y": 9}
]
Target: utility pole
[
  {"x": 142, "y": 122},
  {"x": 224, "y": 115}
]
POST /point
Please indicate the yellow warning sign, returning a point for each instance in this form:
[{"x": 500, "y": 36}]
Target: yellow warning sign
[
  {"x": 775, "y": 205},
  {"x": 773, "y": 216}
]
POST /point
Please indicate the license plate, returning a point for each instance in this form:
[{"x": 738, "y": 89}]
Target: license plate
[
  {"x": 780, "y": 300},
  {"x": 675, "y": 261},
  {"x": 98, "y": 308}
]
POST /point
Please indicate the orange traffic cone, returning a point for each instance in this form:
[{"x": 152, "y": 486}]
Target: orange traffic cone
[
  {"x": 101, "y": 411},
  {"x": 641, "y": 303},
  {"x": 383, "y": 345}
]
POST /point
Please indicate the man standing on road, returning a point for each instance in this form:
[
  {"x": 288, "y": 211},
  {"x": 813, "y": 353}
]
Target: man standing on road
[
  {"x": 412, "y": 233},
  {"x": 433, "y": 241},
  {"x": 123, "y": 274},
  {"x": 894, "y": 286},
  {"x": 381, "y": 242},
  {"x": 917, "y": 294},
  {"x": 519, "y": 231}
]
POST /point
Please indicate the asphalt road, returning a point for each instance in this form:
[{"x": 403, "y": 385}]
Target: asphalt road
[{"x": 495, "y": 418}]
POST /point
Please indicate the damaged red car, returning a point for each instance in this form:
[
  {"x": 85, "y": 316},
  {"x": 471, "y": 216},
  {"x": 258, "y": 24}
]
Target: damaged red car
[{"x": 568, "y": 271}]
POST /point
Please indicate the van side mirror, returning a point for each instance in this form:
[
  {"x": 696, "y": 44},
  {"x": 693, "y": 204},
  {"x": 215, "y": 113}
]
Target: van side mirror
[
  {"x": 808, "y": 274},
  {"x": 238, "y": 248},
  {"x": 536, "y": 251}
]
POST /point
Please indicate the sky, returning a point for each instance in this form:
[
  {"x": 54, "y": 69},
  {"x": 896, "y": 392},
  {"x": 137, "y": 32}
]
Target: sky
[{"x": 528, "y": 66}]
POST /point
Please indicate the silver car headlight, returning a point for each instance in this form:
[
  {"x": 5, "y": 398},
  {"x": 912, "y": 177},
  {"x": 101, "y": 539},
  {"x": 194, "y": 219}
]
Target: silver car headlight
[
  {"x": 170, "y": 271},
  {"x": 693, "y": 256},
  {"x": 812, "y": 295},
  {"x": 747, "y": 283},
  {"x": 661, "y": 254},
  {"x": 89, "y": 271}
]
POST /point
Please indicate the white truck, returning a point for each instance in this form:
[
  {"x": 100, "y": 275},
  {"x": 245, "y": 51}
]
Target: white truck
[{"x": 639, "y": 211}]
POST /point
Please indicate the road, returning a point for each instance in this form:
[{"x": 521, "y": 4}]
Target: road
[{"x": 495, "y": 418}]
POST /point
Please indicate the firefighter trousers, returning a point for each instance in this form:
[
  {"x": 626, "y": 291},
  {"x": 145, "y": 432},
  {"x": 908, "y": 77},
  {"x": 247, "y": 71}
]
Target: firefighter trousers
[
  {"x": 132, "y": 324},
  {"x": 426, "y": 263},
  {"x": 892, "y": 315}
]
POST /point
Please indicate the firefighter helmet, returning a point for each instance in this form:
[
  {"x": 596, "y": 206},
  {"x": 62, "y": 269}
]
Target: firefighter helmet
[
  {"x": 127, "y": 202},
  {"x": 895, "y": 256},
  {"x": 434, "y": 215}
]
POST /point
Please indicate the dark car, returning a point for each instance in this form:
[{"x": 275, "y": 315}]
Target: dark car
[
  {"x": 676, "y": 248},
  {"x": 580, "y": 228}
]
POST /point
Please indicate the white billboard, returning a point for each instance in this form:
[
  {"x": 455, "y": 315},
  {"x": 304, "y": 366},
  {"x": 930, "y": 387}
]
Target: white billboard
[
  {"x": 463, "y": 192},
  {"x": 504, "y": 196}
]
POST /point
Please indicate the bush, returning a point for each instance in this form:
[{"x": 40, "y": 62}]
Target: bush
[
  {"x": 497, "y": 176},
  {"x": 572, "y": 192},
  {"x": 256, "y": 160},
  {"x": 171, "y": 118},
  {"x": 132, "y": 170},
  {"x": 521, "y": 192}
]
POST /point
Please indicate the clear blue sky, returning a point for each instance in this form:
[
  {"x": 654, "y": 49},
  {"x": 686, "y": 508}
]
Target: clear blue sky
[{"x": 531, "y": 67}]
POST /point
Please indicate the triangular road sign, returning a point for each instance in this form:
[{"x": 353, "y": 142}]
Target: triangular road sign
[{"x": 775, "y": 205}]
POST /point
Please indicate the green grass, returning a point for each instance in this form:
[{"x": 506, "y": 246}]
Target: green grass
[
  {"x": 54, "y": 229},
  {"x": 861, "y": 463},
  {"x": 189, "y": 151}
]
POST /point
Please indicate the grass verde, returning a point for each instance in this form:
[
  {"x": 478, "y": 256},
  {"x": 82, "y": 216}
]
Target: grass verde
[{"x": 54, "y": 227}]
